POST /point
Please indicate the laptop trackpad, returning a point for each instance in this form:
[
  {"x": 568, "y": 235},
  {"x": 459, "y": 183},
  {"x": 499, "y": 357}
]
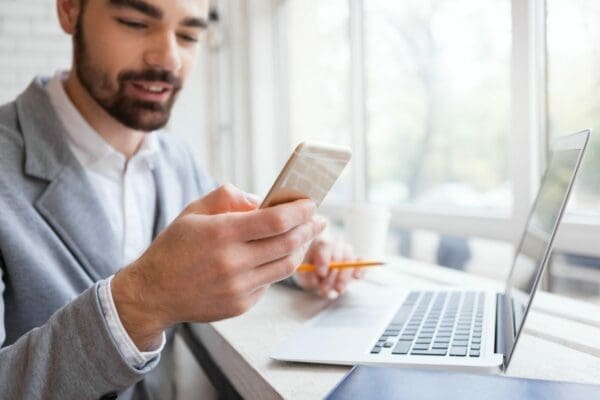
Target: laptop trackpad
[{"x": 345, "y": 316}]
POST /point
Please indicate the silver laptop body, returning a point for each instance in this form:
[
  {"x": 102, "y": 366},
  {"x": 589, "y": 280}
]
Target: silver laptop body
[{"x": 462, "y": 328}]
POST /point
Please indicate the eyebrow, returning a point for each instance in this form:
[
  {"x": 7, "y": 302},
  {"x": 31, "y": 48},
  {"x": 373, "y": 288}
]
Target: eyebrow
[
  {"x": 155, "y": 12},
  {"x": 139, "y": 5},
  {"x": 194, "y": 22}
]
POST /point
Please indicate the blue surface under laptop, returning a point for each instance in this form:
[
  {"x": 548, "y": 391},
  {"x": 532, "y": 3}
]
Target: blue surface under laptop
[{"x": 385, "y": 383}]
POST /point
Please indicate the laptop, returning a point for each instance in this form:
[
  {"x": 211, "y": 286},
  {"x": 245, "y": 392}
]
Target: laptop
[{"x": 463, "y": 328}]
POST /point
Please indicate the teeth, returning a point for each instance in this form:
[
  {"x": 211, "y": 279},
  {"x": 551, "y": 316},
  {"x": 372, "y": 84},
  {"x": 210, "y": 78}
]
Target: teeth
[{"x": 154, "y": 89}]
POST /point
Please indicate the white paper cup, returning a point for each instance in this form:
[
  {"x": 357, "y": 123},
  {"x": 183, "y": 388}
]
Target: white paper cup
[{"x": 366, "y": 229}]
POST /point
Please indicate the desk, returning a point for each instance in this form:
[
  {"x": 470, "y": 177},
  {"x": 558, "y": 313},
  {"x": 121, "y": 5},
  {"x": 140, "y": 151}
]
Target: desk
[{"x": 561, "y": 340}]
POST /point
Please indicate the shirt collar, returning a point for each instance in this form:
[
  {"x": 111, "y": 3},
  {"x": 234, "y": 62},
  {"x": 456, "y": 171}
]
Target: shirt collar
[{"x": 91, "y": 147}]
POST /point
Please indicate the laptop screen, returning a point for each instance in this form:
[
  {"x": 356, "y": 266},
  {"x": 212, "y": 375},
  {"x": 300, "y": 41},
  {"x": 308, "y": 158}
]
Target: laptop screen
[{"x": 533, "y": 251}]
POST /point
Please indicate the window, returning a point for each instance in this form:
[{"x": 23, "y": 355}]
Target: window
[
  {"x": 573, "y": 37},
  {"x": 431, "y": 140},
  {"x": 319, "y": 69},
  {"x": 450, "y": 107}
]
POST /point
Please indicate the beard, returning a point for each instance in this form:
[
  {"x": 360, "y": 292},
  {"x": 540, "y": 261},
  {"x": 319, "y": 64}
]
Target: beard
[{"x": 136, "y": 114}]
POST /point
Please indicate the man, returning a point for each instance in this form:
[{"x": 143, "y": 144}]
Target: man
[{"x": 89, "y": 288}]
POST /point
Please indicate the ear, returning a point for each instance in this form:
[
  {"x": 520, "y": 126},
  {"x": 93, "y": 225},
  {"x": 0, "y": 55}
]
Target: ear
[{"x": 68, "y": 13}]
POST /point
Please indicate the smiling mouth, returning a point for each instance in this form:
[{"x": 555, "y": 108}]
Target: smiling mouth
[
  {"x": 152, "y": 88},
  {"x": 153, "y": 92}
]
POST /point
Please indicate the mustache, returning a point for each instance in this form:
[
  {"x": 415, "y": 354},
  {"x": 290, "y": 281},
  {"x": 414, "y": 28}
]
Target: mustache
[{"x": 151, "y": 75}]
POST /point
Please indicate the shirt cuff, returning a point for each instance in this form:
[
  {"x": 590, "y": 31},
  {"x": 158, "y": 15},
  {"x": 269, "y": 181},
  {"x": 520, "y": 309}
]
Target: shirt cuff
[{"x": 137, "y": 359}]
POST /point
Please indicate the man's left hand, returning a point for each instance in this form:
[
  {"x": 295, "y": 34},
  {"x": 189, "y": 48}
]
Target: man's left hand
[{"x": 324, "y": 280}]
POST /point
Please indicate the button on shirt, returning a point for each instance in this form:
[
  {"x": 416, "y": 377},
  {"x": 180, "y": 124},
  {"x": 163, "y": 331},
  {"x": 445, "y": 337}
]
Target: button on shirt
[{"x": 128, "y": 194}]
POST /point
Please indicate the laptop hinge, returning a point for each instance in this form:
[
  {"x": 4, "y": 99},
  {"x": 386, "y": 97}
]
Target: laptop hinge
[{"x": 500, "y": 347}]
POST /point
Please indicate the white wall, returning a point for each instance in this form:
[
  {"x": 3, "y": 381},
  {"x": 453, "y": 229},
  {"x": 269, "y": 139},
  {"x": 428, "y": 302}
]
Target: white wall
[{"x": 32, "y": 43}]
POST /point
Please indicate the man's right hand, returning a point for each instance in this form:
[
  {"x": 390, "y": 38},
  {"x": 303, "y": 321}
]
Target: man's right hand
[{"x": 213, "y": 262}]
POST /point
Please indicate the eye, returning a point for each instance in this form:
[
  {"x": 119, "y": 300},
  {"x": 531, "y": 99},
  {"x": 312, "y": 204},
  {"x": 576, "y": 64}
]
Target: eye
[
  {"x": 132, "y": 24},
  {"x": 188, "y": 38}
]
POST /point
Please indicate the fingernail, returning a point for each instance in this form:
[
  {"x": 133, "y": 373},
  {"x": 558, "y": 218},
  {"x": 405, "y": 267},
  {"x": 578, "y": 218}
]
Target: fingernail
[
  {"x": 322, "y": 221},
  {"x": 322, "y": 271},
  {"x": 332, "y": 295},
  {"x": 252, "y": 198}
]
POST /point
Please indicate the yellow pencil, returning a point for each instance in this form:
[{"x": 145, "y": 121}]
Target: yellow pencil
[{"x": 342, "y": 265}]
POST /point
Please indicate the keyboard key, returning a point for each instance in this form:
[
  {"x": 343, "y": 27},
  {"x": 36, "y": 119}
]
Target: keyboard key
[
  {"x": 388, "y": 344},
  {"x": 474, "y": 353},
  {"x": 432, "y": 352},
  {"x": 476, "y": 340},
  {"x": 423, "y": 341},
  {"x": 402, "y": 347},
  {"x": 376, "y": 350},
  {"x": 460, "y": 343},
  {"x": 419, "y": 346},
  {"x": 412, "y": 296},
  {"x": 402, "y": 315},
  {"x": 458, "y": 351},
  {"x": 475, "y": 346},
  {"x": 439, "y": 345}
]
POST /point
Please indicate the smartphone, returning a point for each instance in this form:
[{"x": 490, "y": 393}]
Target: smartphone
[{"x": 309, "y": 173}]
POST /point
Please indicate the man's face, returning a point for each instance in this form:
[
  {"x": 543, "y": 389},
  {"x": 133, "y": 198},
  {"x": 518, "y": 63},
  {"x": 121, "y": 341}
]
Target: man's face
[{"x": 133, "y": 56}]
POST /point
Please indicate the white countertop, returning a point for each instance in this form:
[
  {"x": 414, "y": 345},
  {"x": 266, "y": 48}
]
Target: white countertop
[{"x": 561, "y": 340}]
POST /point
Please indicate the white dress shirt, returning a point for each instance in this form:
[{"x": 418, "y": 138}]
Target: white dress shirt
[{"x": 128, "y": 194}]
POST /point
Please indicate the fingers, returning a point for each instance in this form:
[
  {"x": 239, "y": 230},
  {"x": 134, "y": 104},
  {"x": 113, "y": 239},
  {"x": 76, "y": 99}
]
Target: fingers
[
  {"x": 342, "y": 280},
  {"x": 358, "y": 273},
  {"x": 347, "y": 275},
  {"x": 327, "y": 284},
  {"x": 274, "y": 271},
  {"x": 321, "y": 256},
  {"x": 226, "y": 198},
  {"x": 273, "y": 248},
  {"x": 338, "y": 280},
  {"x": 273, "y": 221},
  {"x": 307, "y": 280},
  {"x": 245, "y": 302}
]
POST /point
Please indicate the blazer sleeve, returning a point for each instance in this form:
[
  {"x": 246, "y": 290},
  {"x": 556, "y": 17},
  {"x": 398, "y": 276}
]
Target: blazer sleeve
[{"x": 71, "y": 356}]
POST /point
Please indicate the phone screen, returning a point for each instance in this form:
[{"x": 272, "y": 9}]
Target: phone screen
[{"x": 310, "y": 172}]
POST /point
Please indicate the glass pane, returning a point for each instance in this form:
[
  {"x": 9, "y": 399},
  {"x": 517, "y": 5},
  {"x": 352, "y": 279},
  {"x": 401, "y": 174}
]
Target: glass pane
[
  {"x": 319, "y": 68},
  {"x": 573, "y": 36},
  {"x": 438, "y": 91},
  {"x": 575, "y": 276},
  {"x": 488, "y": 258}
]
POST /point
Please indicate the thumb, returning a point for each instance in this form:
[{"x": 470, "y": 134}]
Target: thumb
[{"x": 226, "y": 198}]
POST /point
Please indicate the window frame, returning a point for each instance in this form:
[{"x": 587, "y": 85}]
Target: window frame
[{"x": 262, "y": 124}]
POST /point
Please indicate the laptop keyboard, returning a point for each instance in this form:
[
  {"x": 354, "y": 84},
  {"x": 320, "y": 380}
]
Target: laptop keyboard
[{"x": 435, "y": 324}]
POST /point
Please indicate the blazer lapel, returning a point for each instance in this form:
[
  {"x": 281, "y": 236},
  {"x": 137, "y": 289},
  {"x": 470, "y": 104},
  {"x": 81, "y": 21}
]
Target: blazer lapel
[
  {"x": 68, "y": 203},
  {"x": 70, "y": 206}
]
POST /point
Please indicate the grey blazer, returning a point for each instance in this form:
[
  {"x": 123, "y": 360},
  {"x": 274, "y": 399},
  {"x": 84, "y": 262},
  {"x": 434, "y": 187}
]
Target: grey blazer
[{"x": 55, "y": 244}]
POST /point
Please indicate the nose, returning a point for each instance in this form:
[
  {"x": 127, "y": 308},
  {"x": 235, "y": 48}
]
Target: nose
[{"x": 164, "y": 53}]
